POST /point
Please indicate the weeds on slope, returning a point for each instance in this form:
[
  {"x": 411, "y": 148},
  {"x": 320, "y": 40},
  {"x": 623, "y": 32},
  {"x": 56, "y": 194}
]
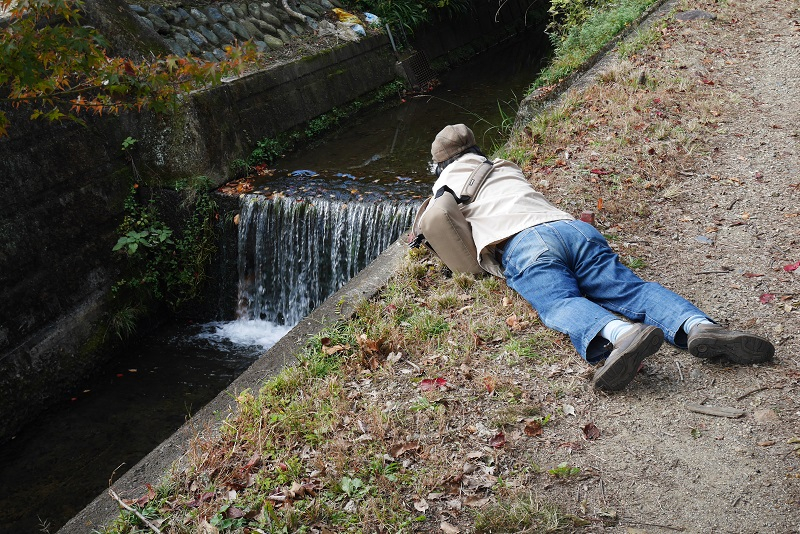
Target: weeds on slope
[{"x": 414, "y": 414}]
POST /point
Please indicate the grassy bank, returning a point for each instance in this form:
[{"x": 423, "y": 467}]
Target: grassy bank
[{"x": 443, "y": 404}]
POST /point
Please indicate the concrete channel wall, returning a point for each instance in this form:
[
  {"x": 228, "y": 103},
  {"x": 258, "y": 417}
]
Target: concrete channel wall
[{"x": 62, "y": 189}]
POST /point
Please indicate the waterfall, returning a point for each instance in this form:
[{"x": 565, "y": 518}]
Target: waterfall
[{"x": 294, "y": 253}]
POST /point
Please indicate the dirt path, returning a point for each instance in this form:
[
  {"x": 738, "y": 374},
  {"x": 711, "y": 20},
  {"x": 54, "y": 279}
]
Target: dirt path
[{"x": 722, "y": 240}]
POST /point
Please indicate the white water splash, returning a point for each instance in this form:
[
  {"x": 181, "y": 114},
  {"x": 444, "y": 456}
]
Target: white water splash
[{"x": 243, "y": 332}]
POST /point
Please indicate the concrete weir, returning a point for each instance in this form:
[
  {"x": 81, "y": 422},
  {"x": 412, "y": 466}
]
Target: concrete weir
[{"x": 152, "y": 468}]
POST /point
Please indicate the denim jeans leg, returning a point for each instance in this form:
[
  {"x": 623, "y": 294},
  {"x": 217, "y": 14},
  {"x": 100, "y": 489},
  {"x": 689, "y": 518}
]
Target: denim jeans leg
[
  {"x": 606, "y": 281},
  {"x": 536, "y": 265}
]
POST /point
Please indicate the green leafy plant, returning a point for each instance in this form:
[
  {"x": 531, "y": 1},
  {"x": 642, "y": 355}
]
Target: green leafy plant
[
  {"x": 161, "y": 265},
  {"x": 222, "y": 521},
  {"x": 353, "y": 487},
  {"x": 268, "y": 150},
  {"x": 635, "y": 263},
  {"x": 564, "y": 470}
]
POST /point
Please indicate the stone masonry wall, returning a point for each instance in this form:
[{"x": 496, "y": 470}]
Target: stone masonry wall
[{"x": 204, "y": 31}]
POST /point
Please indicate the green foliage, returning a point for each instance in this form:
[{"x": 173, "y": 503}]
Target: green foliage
[
  {"x": 353, "y": 487},
  {"x": 635, "y": 263},
  {"x": 59, "y": 68},
  {"x": 579, "y": 29},
  {"x": 268, "y": 150},
  {"x": 568, "y": 14},
  {"x": 223, "y": 522},
  {"x": 564, "y": 470},
  {"x": 162, "y": 265}
]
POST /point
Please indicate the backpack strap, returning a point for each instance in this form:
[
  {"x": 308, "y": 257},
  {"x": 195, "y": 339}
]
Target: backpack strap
[
  {"x": 472, "y": 185},
  {"x": 475, "y": 181}
]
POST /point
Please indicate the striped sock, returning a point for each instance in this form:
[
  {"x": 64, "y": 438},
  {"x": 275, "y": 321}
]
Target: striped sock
[
  {"x": 614, "y": 329},
  {"x": 695, "y": 320}
]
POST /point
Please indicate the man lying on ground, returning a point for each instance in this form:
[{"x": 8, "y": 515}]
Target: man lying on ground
[{"x": 569, "y": 274}]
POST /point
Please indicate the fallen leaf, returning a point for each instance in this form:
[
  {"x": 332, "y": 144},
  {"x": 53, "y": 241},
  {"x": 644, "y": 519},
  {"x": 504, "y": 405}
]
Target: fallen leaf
[
  {"x": 476, "y": 502},
  {"x": 370, "y": 346},
  {"x": 429, "y": 384},
  {"x": 421, "y": 505},
  {"x": 752, "y": 275},
  {"x": 234, "y": 513},
  {"x": 767, "y": 443},
  {"x": 447, "y": 528},
  {"x": 151, "y": 494},
  {"x": 569, "y": 409},
  {"x": 533, "y": 428},
  {"x": 766, "y": 298},
  {"x": 791, "y": 267},
  {"x": 400, "y": 449},
  {"x": 512, "y": 320},
  {"x": 498, "y": 441},
  {"x": 490, "y": 383},
  {"x": 590, "y": 431}
]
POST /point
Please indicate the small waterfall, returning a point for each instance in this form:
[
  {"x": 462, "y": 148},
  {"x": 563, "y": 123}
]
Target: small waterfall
[{"x": 294, "y": 253}]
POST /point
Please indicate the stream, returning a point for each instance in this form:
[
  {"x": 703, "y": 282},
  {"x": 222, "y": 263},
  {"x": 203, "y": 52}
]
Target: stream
[{"x": 56, "y": 465}]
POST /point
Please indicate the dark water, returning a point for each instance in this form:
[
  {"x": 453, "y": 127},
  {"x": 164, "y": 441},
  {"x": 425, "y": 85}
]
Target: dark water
[
  {"x": 57, "y": 465},
  {"x": 389, "y": 151}
]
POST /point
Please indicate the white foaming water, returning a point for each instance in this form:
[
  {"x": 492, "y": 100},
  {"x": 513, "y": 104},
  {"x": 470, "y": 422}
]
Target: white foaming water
[{"x": 243, "y": 332}]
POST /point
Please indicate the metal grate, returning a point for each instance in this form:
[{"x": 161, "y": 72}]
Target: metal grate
[{"x": 417, "y": 69}]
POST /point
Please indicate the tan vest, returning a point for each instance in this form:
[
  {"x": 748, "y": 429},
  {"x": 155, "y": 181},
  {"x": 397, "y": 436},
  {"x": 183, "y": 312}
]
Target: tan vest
[{"x": 505, "y": 205}]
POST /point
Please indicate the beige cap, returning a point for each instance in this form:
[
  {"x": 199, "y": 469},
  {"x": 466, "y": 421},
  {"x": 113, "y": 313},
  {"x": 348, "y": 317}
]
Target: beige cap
[{"x": 451, "y": 141}]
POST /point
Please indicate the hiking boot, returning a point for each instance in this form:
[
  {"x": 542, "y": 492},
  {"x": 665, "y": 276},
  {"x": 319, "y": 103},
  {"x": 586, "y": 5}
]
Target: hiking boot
[
  {"x": 629, "y": 351},
  {"x": 712, "y": 340}
]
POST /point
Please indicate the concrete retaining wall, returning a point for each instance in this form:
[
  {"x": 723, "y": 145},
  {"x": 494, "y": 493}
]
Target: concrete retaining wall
[{"x": 61, "y": 193}]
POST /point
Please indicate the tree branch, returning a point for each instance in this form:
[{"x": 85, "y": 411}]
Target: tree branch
[{"x": 133, "y": 511}]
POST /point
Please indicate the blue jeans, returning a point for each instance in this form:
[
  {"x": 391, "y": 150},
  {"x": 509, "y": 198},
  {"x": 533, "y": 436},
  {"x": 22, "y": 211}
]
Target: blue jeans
[{"x": 573, "y": 279}]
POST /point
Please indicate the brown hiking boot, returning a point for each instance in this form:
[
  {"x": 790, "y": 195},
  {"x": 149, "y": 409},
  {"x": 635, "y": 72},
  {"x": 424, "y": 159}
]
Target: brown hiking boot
[
  {"x": 629, "y": 351},
  {"x": 712, "y": 340}
]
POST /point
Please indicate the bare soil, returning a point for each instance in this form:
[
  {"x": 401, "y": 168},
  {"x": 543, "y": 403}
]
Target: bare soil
[{"x": 722, "y": 231}]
